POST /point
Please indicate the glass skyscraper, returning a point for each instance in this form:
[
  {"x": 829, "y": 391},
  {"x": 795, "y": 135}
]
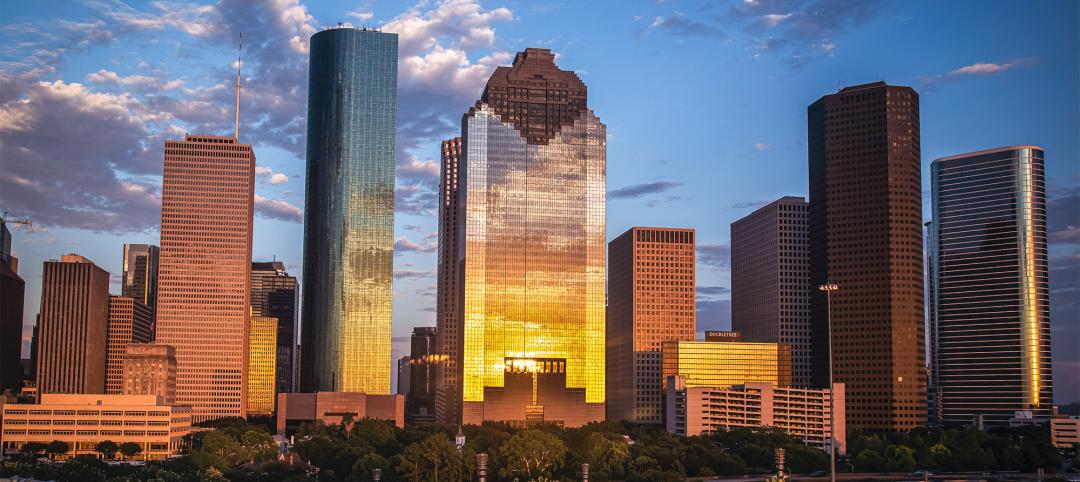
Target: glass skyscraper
[
  {"x": 349, "y": 211},
  {"x": 990, "y": 299},
  {"x": 531, "y": 247}
]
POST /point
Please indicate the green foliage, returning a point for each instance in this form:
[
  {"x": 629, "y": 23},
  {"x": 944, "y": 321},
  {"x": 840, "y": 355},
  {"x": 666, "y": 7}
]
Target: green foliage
[
  {"x": 530, "y": 454},
  {"x": 433, "y": 459},
  {"x": 57, "y": 447},
  {"x": 107, "y": 449},
  {"x": 954, "y": 449},
  {"x": 130, "y": 449},
  {"x": 33, "y": 448}
]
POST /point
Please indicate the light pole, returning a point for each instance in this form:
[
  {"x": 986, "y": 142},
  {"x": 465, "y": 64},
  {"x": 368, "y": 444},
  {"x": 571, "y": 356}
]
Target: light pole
[{"x": 828, "y": 288}]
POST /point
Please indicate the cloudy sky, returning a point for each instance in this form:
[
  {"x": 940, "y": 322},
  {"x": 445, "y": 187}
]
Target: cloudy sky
[{"x": 705, "y": 104}]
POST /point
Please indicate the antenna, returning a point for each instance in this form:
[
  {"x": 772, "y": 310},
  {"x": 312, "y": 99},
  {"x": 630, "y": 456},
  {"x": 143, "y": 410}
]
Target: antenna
[{"x": 239, "y": 55}]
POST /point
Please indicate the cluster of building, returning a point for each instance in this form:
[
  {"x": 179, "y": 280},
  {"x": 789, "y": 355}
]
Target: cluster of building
[{"x": 538, "y": 318}]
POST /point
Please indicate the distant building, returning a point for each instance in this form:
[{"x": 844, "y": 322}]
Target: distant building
[
  {"x": 770, "y": 279},
  {"x": 130, "y": 321},
  {"x": 726, "y": 363},
  {"x": 85, "y": 420},
  {"x": 274, "y": 293},
  {"x": 448, "y": 335},
  {"x": 991, "y": 311},
  {"x": 802, "y": 413},
  {"x": 330, "y": 408},
  {"x": 150, "y": 369},
  {"x": 12, "y": 288},
  {"x": 1065, "y": 432},
  {"x": 651, "y": 299},
  {"x": 140, "y": 279},
  {"x": 404, "y": 373},
  {"x": 262, "y": 365},
  {"x": 73, "y": 326},
  {"x": 420, "y": 402},
  {"x": 717, "y": 335}
]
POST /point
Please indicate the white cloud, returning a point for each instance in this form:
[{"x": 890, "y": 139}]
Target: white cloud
[
  {"x": 773, "y": 19},
  {"x": 360, "y": 15},
  {"x": 277, "y": 209},
  {"x": 761, "y": 147},
  {"x": 278, "y": 178}
]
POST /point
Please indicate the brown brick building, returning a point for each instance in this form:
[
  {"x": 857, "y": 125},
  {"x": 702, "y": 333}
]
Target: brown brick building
[
  {"x": 73, "y": 326},
  {"x": 130, "y": 321},
  {"x": 448, "y": 327}
]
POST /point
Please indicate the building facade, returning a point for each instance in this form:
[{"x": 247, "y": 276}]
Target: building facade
[
  {"x": 651, "y": 299},
  {"x": 801, "y": 412},
  {"x": 73, "y": 326},
  {"x": 770, "y": 279},
  {"x": 531, "y": 248},
  {"x": 726, "y": 363},
  {"x": 1065, "y": 432},
  {"x": 866, "y": 237},
  {"x": 130, "y": 321},
  {"x": 141, "y": 274},
  {"x": 423, "y": 358},
  {"x": 262, "y": 365},
  {"x": 990, "y": 311},
  {"x": 150, "y": 369},
  {"x": 349, "y": 211},
  {"x": 404, "y": 372},
  {"x": 448, "y": 332},
  {"x": 274, "y": 293},
  {"x": 85, "y": 420},
  {"x": 331, "y": 408},
  {"x": 204, "y": 271},
  {"x": 12, "y": 289}
]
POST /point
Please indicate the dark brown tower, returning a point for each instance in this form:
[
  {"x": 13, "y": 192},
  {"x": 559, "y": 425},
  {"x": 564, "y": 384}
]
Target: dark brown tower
[
  {"x": 448, "y": 332},
  {"x": 73, "y": 326},
  {"x": 866, "y": 236},
  {"x": 535, "y": 96}
]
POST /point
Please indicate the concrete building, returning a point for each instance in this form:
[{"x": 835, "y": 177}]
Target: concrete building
[
  {"x": 1065, "y": 432},
  {"x": 274, "y": 293},
  {"x": 651, "y": 299},
  {"x": 140, "y": 279},
  {"x": 448, "y": 333},
  {"x": 73, "y": 326},
  {"x": 150, "y": 369},
  {"x": 770, "y": 279},
  {"x": 866, "y": 237},
  {"x": 332, "y": 407},
  {"x": 262, "y": 365},
  {"x": 205, "y": 272},
  {"x": 84, "y": 420},
  {"x": 130, "y": 321},
  {"x": 803, "y": 413},
  {"x": 726, "y": 363}
]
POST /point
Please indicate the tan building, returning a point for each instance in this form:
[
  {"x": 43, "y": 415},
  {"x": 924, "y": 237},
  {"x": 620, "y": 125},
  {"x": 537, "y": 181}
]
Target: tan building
[
  {"x": 332, "y": 407},
  {"x": 262, "y": 363},
  {"x": 150, "y": 369},
  {"x": 651, "y": 299},
  {"x": 1065, "y": 432},
  {"x": 727, "y": 363},
  {"x": 129, "y": 322},
  {"x": 802, "y": 413},
  {"x": 204, "y": 271},
  {"x": 84, "y": 420},
  {"x": 73, "y": 326}
]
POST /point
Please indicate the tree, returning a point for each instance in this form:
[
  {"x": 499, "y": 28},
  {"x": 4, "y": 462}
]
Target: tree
[
  {"x": 107, "y": 449},
  {"x": 257, "y": 446},
  {"x": 433, "y": 459},
  {"x": 130, "y": 449},
  {"x": 899, "y": 458},
  {"x": 869, "y": 460},
  {"x": 32, "y": 448},
  {"x": 531, "y": 454},
  {"x": 366, "y": 465},
  {"x": 605, "y": 455},
  {"x": 57, "y": 447}
]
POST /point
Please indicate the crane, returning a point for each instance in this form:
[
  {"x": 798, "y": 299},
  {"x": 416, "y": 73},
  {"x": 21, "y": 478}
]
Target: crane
[{"x": 5, "y": 220}]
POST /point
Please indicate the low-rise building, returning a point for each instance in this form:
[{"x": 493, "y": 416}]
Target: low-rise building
[
  {"x": 803, "y": 413},
  {"x": 1065, "y": 432},
  {"x": 85, "y": 420},
  {"x": 331, "y": 408},
  {"x": 726, "y": 363}
]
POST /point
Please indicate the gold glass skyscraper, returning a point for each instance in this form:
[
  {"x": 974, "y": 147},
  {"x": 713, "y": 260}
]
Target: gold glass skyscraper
[
  {"x": 531, "y": 241},
  {"x": 727, "y": 363},
  {"x": 262, "y": 363}
]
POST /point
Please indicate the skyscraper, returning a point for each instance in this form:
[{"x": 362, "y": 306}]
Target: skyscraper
[
  {"x": 866, "y": 237},
  {"x": 129, "y": 322},
  {"x": 448, "y": 333},
  {"x": 204, "y": 275},
  {"x": 150, "y": 369},
  {"x": 420, "y": 401},
  {"x": 274, "y": 294},
  {"x": 12, "y": 289},
  {"x": 349, "y": 211},
  {"x": 262, "y": 364},
  {"x": 651, "y": 299},
  {"x": 73, "y": 326},
  {"x": 141, "y": 274},
  {"x": 530, "y": 237},
  {"x": 991, "y": 299},
  {"x": 770, "y": 279}
]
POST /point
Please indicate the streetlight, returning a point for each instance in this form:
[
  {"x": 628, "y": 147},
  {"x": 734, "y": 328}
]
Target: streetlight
[{"x": 828, "y": 288}]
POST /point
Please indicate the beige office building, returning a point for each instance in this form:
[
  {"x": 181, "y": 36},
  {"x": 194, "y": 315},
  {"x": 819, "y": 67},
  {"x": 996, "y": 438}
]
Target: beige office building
[
  {"x": 150, "y": 369},
  {"x": 129, "y": 322},
  {"x": 802, "y": 413},
  {"x": 204, "y": 271},
  {"x": 73, "y": 326},
  {"x": 85, "y": 420}
]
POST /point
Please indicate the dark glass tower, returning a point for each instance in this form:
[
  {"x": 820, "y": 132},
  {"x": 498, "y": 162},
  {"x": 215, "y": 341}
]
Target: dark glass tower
[
  {"x": 990, "y": 300},
  {"x": 274, "y": 294},
  {"x": 349, "y": 211},
  {"x": 141, "y": 274},
  {"x": 420, "y": 402}
]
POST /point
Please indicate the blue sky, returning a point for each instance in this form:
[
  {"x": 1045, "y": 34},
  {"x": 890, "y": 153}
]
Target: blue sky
[{"x": 705, "y": 104}]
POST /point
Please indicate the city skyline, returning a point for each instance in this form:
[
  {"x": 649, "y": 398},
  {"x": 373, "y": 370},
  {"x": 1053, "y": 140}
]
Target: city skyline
[{"x": 637, "y": 196}]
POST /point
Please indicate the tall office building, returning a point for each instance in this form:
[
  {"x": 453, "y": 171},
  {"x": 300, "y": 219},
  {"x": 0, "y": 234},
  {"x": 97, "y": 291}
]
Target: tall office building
[
  {"x": 274, "y": 294},
  {"x": 130, "y": 321},
  {"x": 770, "y": 279},
  {"x": 991, "y": 300},
  {"x": 866, "y": 237},
  {"x": 404, "y": 371},
  {"x": 933, "y": 392},
  {"x": 141, "y": 274},
  {"x": 204, "y": 273},
  {"x": 420, "y": 402},
  {"x": 448, "y": 333},
  {"x": 73, "y": 326},
  {"x": 12, "y": 289},
  {"x": 651, "y": 299},
  {"x": 349, "y": 212},
  {"x": 530, "y": 234},
  {"x": 262, "y": 364},
  {"x": 150, "y": 369}
]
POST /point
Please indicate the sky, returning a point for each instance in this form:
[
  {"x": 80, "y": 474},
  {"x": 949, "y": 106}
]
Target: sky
[{"x": 704, "y": 102}]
